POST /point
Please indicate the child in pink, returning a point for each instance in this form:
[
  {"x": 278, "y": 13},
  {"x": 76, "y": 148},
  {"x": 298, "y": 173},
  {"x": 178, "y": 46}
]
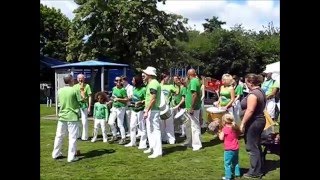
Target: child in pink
[{"x": 229, "y": 134}]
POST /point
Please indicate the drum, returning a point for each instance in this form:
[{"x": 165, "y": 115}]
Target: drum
[
  {"x": 166, "y": 113},
  {"x": 214, "y": 112},
  {"x": 181, "y": 117}
]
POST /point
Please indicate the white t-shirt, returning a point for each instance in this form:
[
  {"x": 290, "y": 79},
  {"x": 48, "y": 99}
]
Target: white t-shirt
[{"x": 129, "y": 89}]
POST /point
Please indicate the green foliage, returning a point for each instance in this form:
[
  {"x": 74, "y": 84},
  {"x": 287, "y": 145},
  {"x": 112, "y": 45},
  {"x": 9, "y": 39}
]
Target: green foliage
[
  {"x": 133, "y": 32},
  {"x": 54, "y": 28}
]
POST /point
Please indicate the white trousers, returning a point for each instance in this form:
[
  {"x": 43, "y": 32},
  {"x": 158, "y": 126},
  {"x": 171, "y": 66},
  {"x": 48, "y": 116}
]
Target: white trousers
[
  {"x": 64, "y": 127},
  {"x": 271, "y": 106},
  {"x": 97, "y": 124},
  {"x": 137, "y": 122},
  {"x": 167, "y": 129},
  {"x": 153, "y": 132},
  {"x": 83, "y": 128},
  {"x": 236, "y": 112},
  {"x": 128, "y": 118},
  {"x": 193, "y": 131},
  {"x": 117, "y": 113}
]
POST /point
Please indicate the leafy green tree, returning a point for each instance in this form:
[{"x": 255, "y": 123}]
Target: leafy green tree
[
  {"x": 54, "y": 28},
  {"x": 133, "y": 32}
]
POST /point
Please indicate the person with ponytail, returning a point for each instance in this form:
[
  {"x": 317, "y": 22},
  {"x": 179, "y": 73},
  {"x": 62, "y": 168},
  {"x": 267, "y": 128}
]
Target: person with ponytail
[{"x": 229, "y": 134}]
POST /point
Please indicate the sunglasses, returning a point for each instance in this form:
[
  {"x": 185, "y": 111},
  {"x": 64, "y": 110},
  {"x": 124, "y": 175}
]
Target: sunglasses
[{"x": 117, "y": 80}]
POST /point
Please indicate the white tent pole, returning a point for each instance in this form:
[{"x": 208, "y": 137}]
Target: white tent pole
[
  {"x": 102, "y": 78},
  {"x": 56, "y": 90}
]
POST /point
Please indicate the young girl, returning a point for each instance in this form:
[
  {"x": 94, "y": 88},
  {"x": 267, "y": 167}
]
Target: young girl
[
  {"x": 100, "y": 115},
  {"x": 229, "y": 134}
]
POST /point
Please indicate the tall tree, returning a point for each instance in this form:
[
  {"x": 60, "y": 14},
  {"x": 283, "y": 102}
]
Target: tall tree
[
  {"x": 134, "y": 32},
  {"x": 212, "y": 24},
  {"x": 54, "y": 27}
]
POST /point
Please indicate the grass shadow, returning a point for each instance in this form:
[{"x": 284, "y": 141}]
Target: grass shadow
[
  {"x": 270, "y": 165},
  {"x": 169, "y": 150},
  {"x": 212, "y": 142},
  {"x": 243, "y": 170},
  {"x": 97, "y": 152}
]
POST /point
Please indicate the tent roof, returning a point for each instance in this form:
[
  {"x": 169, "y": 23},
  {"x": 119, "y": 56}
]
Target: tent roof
[
  {"x": 47, "y": 61},
  {"x": 273, "y": 67},
  {"x": 91, "y": 63}
]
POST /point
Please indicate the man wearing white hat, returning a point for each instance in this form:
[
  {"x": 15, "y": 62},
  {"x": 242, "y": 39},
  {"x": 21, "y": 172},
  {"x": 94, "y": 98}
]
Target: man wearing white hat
[{"x": 152, "y": 112}]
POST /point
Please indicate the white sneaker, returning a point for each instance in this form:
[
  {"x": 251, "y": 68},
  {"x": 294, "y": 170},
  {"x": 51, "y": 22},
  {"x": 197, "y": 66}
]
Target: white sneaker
[
  {"x": 105, "y": 140},
  {"x": 142, "y": 147},
  {"x": 129, "y": 145},
  {"x": 147, "y": 151},
  {"x": 152, "y": 156},
  {"x": 196, "y": 149},
  {"x": 128, "y": 135},
  {"x": 93, "y": 139}
]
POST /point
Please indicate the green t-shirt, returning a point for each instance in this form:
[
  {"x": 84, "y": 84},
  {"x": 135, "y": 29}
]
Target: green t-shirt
[
  {"x": 69, "y": 99},
  {"x": 153, "y": 84},
  {"x": 139, "y": 94},
  {"x": 100, "y": 111},
  {"x": 267, "y": 86},
  {"x": 239, "y": 90},
  {"x": 119, "y": 93},
  {"x": 193, "y": 86},
  {"x": 168, "y": 91},
  {"x": 87, "y": 91},
  {"x": 177, "y": 98}
]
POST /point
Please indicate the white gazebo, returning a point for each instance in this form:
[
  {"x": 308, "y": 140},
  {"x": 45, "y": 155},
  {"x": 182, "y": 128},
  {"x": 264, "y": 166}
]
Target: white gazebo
[
  {"x": 71, "y": 68},
  {"x": 274, "y": 68}
]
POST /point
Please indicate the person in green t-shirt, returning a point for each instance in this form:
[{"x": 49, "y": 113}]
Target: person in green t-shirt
[
  {"x": 100, "y": 115},
  {"x": 68, "y": 122},
  {"x": 152, "y": 112},
  {"x": 238, "y": 97},
  {"x": 136, "y": 117},
  {"x": 119, "y": 102},
  {"x": 179, "y": 100},
  {"x": 167, "y": 126},
  {"x": 85, "y": 92},
  {"x": 193, "y": 105},
  {"x": 270, "y": 87}
]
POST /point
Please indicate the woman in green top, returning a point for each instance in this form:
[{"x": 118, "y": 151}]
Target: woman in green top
[
  {"x": 226, "y": 93},
  {"x": 179, "y": 99},
  {"x": 119, "y": 102},
  {"x": 100, "y": 115},
  {"x": 136, "y": 118}
]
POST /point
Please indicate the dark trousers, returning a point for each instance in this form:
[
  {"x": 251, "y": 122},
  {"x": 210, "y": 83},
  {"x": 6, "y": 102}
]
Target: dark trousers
[{"x": 252, "y": 139}]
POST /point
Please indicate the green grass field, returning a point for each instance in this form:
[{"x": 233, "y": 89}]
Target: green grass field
[{"x": 112, "y": 161}]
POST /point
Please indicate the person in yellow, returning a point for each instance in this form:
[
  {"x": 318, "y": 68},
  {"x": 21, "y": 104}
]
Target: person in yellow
[
  {"x": 85, "y": 92},
  {"x": 68, "y": 122}
]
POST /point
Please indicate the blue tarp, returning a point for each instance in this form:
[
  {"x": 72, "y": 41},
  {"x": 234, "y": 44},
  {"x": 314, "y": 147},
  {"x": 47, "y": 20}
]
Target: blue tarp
[{"x": 91, "y": 63}]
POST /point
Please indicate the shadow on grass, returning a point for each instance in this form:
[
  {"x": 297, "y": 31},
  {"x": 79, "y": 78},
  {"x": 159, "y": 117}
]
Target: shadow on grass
[
  {"x": 97, "y": 152},
  {"x": 212, "y": 142},
  {"x": 168, "y": 150},
  {"x": 271, "y": 165}
]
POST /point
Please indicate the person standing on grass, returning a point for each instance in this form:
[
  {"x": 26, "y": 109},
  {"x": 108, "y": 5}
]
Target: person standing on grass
[
  {"x": 68, "y": 122},
  {"x": 85, "y": 91},
  {"x": 152, "y": 112},
  {"x": 100, "y": 115},
  {"x": 229, "y": 135}
]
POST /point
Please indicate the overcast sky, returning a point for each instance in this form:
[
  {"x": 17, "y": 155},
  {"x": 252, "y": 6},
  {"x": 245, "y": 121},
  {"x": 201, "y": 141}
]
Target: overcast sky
[{"x": 252, "y": 14}]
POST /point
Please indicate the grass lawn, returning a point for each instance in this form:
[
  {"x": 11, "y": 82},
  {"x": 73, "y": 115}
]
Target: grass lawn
[{"x": 112, "y": 161}]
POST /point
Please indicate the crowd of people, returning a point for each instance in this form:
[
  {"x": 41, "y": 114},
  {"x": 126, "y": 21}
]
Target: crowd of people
[{"x": 147, "y": 110}]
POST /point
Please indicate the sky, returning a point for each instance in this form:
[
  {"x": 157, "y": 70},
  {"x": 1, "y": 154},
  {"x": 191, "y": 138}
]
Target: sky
[{"x": 252, "y": 14}]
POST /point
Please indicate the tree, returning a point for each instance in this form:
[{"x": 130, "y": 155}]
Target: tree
[
  {"x": 133, "y": 32},
  {"x": 54, "y": 28},
  {"x": 212, "y": 24}
]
